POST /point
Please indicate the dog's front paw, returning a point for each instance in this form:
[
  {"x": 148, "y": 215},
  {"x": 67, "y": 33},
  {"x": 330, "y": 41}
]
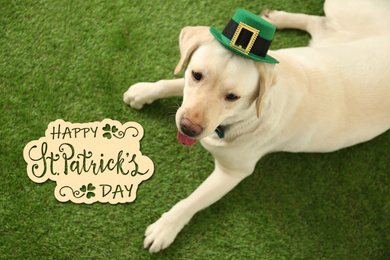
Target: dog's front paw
[
  {"x": 161, "y": 234},
  {"x": 139, "y": 94}
]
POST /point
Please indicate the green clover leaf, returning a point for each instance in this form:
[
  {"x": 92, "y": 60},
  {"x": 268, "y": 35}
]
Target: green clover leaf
[{"x": 89, "y": 190}]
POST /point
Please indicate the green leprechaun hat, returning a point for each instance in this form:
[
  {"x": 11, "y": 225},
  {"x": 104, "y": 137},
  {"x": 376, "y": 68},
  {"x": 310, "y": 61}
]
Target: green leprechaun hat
[{"x": 247, "y": 35}]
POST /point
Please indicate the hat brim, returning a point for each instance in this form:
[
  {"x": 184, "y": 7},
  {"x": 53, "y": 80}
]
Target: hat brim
[{"x": 226, "y": 43}]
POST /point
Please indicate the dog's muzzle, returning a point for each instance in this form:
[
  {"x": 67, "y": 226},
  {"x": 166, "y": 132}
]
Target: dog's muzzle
[{"x": 190, "y": 129}]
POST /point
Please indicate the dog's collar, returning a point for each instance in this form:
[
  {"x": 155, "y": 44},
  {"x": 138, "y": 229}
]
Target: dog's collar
[{"x": 220, "y": 132}]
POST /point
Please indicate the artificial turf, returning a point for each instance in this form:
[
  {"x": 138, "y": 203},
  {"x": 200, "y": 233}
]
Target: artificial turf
[{"x": 75, "y": 59}]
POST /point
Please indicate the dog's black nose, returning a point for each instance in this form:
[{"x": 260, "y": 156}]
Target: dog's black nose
[{"x": 190, "y": 129}]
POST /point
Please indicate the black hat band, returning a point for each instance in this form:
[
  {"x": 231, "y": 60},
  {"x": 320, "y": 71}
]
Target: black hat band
[{"x": 260, "y": 46}]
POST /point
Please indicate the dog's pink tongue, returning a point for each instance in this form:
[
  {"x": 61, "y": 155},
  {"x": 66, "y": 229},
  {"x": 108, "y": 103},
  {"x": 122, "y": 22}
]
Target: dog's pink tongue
[{"x": 185, "y": 139}]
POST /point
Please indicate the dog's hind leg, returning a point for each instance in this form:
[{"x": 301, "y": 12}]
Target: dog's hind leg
[
  {"x": 315, "y": 25},
  {"x": 145, "y": 93}
]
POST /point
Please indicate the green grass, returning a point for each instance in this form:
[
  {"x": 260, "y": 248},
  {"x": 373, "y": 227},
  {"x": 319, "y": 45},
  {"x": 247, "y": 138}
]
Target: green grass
[{"x": 74, "y": 60}]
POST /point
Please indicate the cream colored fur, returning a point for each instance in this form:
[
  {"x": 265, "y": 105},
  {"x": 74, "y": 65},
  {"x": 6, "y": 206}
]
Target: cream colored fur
[{"x": 330, "y": 95}]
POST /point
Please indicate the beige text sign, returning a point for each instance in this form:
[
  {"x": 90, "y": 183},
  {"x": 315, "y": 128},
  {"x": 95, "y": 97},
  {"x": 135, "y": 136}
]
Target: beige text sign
[{"x": 91, "y": 162}]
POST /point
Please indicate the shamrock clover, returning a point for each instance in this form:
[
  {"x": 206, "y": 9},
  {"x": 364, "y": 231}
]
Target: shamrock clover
[
  {"x": 89, "y": 190},
  {"x": 109, "y": 130}
]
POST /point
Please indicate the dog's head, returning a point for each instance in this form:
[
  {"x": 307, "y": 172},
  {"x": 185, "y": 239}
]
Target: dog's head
[{"x": 221, "y": 88}]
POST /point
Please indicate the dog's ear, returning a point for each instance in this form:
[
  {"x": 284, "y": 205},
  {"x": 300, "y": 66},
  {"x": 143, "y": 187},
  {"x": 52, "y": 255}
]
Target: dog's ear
[
  {"x": 190, "y": 39},
  {"x": 267, "y": 79}
]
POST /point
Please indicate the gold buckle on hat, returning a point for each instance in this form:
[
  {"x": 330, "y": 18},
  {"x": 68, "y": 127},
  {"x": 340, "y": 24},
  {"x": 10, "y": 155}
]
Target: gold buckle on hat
[{"x": 248, "y": 48}]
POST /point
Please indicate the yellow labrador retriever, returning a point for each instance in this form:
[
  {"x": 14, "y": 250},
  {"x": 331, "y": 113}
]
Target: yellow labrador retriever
[{"x": 332, "y": 94}]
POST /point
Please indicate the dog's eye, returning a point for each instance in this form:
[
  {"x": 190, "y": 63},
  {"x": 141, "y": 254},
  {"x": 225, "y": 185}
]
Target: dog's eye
[
  {"x": 197, "y": 76},
  {"x": 231, "y": 97}
]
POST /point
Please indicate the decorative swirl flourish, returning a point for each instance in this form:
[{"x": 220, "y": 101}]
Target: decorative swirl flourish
[
  {"x": 75, "y": 193},
  {"x": 122, "y": 134}
]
